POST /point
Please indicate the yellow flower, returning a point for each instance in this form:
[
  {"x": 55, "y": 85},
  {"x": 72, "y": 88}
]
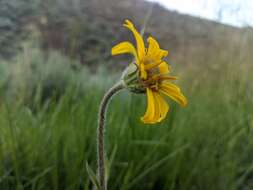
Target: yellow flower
[{"x": 153, "y": 75}]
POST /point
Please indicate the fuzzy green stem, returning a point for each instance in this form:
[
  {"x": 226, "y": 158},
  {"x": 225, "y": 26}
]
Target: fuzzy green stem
[{"x": 101, "y": 131}]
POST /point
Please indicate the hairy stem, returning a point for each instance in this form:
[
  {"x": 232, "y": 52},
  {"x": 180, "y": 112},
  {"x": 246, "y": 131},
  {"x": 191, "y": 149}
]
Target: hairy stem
[{"x": 101, "y": 131}]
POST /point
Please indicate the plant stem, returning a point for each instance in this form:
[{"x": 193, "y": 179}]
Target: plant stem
[{"x": 101, "y": 131}]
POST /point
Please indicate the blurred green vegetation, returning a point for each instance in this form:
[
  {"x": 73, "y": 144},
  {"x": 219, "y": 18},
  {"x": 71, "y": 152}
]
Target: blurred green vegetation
[
  {"x": 45, "y": 142},
  {"x": 207, "y": 145}
]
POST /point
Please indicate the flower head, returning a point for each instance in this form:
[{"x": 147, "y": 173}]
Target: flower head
[{"x": 149, "y": 73}]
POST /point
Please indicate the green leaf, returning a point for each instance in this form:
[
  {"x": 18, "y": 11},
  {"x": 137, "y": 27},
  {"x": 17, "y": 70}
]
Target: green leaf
[{"x": 92, "y": 176}]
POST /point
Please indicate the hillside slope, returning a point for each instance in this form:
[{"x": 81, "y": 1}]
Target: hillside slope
[{"x": 86, "y": 30}]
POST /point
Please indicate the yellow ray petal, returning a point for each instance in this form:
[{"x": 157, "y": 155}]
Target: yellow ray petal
[
  {"x": 173, "y": 92},
  {"x": 163, "y": 107},
  {"x": 152, "y": 65},
  {"x": 154, "y": 50},
  {"x": 167, "y": 78},
  {"x": 156, "y": 117},
  {"x": 150, "y": 112},
  {"x": 163, "y": 77},
  {"x": 170, "y": 86},
  {"x": 138, "y": 38},
  {"x": 164, "y": 68},
  {"x": 125, "y": 47},
  {"x": 157, "y": 108},
  {"x": 143, "y": 72}
]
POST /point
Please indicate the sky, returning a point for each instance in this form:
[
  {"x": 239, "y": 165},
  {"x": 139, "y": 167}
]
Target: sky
[{"x": 233, "y": 12}]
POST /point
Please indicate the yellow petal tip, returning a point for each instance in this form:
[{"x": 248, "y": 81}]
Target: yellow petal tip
[
  {"x": 146, "y": 121},
  {"x": 185, "y": 103},
  {"x": 128, "y": 23}
]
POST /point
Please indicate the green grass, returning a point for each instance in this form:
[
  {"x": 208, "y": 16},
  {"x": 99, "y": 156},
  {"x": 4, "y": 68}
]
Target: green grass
[{"x": 207, "y": 145}]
